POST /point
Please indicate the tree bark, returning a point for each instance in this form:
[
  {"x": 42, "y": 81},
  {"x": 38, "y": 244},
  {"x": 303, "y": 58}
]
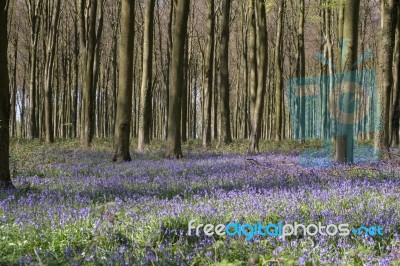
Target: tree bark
[
  {"x": 326, "y": 126},
  {"x": 226, "y": 135},
  {"x": 174, "y": 145},
  {"x": 5, "y": 177},
  {"x": 344, "y": 132},
  {"x": 278, "y": 74},
  {"x": 168, "y": 83},
  {"x": 208, "y": 79},
  {"x": 34, "y": 9},
  {"x": 261, "y": 77},
  {"x": 253, "y": 59},
  {"x": 87, "y": 43},
  {"x": 396, "y": 88},
  {"x": 301, "y": 71},
  {"x": 124, "y": 104},
  {"x": 389, "y": 17},
  {"x": 52, "y": 29},
  {"x": 74, "y": 107},
  {"x": 185, "y": 88},
  {"x": 145, "y": 114}
]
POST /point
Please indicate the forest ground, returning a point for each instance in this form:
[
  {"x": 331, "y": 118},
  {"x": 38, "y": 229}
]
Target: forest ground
[{"x": 74, "y": 206}]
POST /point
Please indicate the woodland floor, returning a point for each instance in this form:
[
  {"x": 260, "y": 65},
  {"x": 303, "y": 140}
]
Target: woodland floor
[{"x": 74, "y": 206}]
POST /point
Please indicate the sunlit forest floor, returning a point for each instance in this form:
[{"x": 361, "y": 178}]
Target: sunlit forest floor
[{"x": 74, "y": 206}]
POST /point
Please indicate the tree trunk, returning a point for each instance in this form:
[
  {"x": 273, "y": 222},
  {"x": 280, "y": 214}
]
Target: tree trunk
[
  {"x": 5, "y": 177},
  {"x": 208, "y": 79},
  {"x": 145, "y": 113},
  {"x": 174, "y": 145},
  {"x": 396, "y": 88},
  {"x": 22, "y": 126},
  {"x": 74, "y": 108},
  {"x": 337, "y": 139},
  {"x": 215, "y": 113},
  {"x": 301, "y": 72},
  {"x": 326, "y": 126},
  {"x": 261, "y": 77},
  {"x": 278, "y": 74},
  {"x": 52, "y": 29},
  {"x": 185, "y": 89},
  {"x": 168, "y": 83},
  {"x": 253, "y": 59},
  {"x": 124, "y": 106},
  {"x": 87, "y": 39},
  {"x": 226, "y": 135},
  {"x": 96, "y": 69},
  {"x": 34, "y": 10},
  {"x": 13, "y": 114},
  {"x": 389, "y": 17},
  {"x": 344, "y": 131}
]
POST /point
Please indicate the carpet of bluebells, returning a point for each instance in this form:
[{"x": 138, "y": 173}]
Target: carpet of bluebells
[{"x": 74, "y": 206}]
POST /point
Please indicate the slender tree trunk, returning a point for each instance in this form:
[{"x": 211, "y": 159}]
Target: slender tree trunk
[
  {"x": 174, "y": 145},
  {"x": 185, "y": 90},
  {"x": 145, "y": 114},
  {"x": 261, "y": 76},
  {"x": 326, "y": 128},
  {"x": 34, "y": 10},
  {"x": 337, "y": 139},
  {"x": 278, "y": 74},
  {"x": 344, "y": 132},
  {"x": 208, "y": 79},
  {"x": 194, "y": 115},
  {"x": 301, "y": 71},
  {"x": 23, "y": 107},
  {"x": 87, "y": 39},
  {"x": 216, "y": 96},
  {"x": 13, "y": 117},
  {"x": 5, "y": 177},
  {"x": 124, "y": 106},
  {"x": 168, "y": 83},
  {"x": 164, "y": 71},
  {"x": 244, "y": 100},
  {"x": 396, "y": 89},
  {"x": 389, "y": 17},
  {"x": 253, "y": 59},
  {"x": 52, "y": 28},
  {"x": 74, "y": 108},
  {"x": 226, "y": 135},
  {"x": 96, "y": 71}
]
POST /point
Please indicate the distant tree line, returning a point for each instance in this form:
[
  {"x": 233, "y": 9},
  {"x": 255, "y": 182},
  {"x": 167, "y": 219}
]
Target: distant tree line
[{"x": 179, "y": 70}]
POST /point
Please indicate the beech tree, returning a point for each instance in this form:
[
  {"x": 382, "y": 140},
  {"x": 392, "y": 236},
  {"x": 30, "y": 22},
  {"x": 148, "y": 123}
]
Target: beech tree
[
  {"x": 260, "y": 86},
  {"x": 389, "y": 17},
  {"x": 301, "y": 69},
  {"x": 125, "y": 86},
  {"x": 209, "y": 71},
  {"x": 89, "y": 41},
  {"x": 146, "y": 91},
  {"x": 226, "y": 135},
  {"x": 396, "y": 84},
  {"x": 278, "y": 73},
  {"x": 5, "y": 177},
  {"x": 51, "y": 24},
  {"x": 179, "y": 34},
  {"x": 345, "y": 138},
  {"x": 34, "y": 8}
]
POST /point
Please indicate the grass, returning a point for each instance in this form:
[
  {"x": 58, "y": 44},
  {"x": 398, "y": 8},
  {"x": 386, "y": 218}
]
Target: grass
[{"x": 75, "y": 207}]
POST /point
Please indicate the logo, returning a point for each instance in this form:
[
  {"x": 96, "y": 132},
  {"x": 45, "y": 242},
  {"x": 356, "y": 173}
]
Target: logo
[
  {"x": 337, "y": 105},
  {"x": 249, "y": 231}
]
